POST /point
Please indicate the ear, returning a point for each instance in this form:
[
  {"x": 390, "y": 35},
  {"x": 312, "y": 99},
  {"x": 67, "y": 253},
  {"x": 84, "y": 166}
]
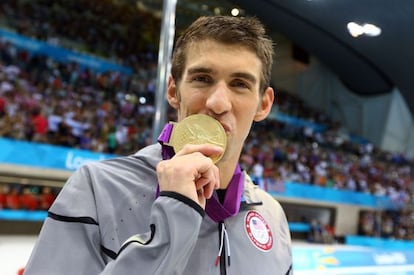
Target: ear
[
  {"x": 172, "y": 93},
  {"x": 265, "y": 105}
]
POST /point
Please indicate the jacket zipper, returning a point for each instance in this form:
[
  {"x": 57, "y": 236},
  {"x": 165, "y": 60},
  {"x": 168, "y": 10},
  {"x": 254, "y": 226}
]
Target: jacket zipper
[{"x": 222, "y": 255}]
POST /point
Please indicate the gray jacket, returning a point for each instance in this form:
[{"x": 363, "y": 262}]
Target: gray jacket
[{"x": 108, "y": 220}]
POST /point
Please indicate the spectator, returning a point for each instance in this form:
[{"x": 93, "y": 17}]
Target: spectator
[
  {"x": 46, "y": 198},
  {"x": 28, "y": 200},
  {"x": 4, "y": 190},
  {"x": 39, "y": 126},
  {"x": 13, "y": 198}
]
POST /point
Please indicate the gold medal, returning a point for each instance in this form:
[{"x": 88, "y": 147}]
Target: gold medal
[{"x": 198, "y": 129}]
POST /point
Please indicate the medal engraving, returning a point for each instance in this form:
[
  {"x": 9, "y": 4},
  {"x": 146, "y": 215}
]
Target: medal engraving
[{"x": 198, "y": 129}]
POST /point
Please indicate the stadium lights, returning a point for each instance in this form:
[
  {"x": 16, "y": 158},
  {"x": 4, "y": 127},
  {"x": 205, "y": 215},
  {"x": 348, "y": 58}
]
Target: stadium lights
[
  {"x": 235, "y": 12},
  {"x": 142, "y": 100},
  {"x": 356, "y": 29}
]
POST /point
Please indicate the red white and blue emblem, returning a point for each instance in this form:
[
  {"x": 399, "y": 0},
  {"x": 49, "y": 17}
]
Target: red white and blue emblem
[{"x": 258, "y": 231}]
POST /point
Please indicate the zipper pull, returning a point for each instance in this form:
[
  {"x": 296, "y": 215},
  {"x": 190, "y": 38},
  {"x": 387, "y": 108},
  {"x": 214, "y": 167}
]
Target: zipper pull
[
  {"x": 226, "y": 236},
  {"x": 224, "y": 240},
  {"x": 221, "y": 243},
  {"x": 217, "y": 260}
]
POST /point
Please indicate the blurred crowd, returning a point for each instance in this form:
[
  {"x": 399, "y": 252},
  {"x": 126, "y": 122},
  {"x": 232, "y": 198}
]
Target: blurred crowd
[
  {"x": 115, "y": 30},
  {"x": 387, "y": 224},
  {"x": 26, "y": 197},
  {"x": 325, "y": 159},
  {"x": 62, "y": 104},
  {"x": 42, "y": 100}
]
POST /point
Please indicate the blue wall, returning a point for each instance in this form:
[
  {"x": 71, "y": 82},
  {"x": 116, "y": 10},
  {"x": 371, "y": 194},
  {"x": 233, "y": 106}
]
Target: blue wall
[
  {"x": 45, "y": 156},
  {"x": 312, "y": 192},
  {"x": 379, "y": 242}
]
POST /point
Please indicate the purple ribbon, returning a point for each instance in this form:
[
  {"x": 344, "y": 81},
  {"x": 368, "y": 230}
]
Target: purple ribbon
[
  {"x": 167, "y": 152},
  {"x": 216, "y": 210},
  {"x": 230, "y": 207}
]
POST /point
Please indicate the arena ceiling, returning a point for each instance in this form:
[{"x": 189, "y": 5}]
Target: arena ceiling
[{"x": 367, "y": 65}]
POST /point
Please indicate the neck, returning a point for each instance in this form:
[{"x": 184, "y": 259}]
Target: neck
[{"x": 226, "y": 168}]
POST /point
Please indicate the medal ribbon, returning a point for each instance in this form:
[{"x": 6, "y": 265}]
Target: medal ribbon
[{"x": 216, "y": 210}]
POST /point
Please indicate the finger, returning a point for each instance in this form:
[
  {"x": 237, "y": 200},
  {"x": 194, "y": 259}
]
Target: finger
[
  {"x": 209, "y": 182},
  {"x": 208, "y": 150},
  {"x": 208, "y": 190},
  {"x": 201, "y": 198},
  {"x": 205, "y": 186}
]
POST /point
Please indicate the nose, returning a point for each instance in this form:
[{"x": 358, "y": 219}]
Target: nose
[{"x": 218, "y": 101}]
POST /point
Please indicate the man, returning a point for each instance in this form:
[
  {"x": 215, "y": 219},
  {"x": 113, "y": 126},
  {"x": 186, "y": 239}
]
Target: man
[{"x": 166, "y": 212}]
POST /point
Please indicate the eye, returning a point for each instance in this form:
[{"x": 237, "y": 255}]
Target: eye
[
  {"x": 201, "y": 79},
  {"x": 240, "y": 84}
]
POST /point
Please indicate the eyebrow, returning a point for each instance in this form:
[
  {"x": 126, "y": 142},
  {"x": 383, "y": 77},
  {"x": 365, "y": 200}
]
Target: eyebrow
[
  {"x": 243, "y": 75},
  {"x": 196, "y": 70}
]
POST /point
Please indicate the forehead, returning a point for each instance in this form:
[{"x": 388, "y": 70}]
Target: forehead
[{"x": 220, "y": 56}]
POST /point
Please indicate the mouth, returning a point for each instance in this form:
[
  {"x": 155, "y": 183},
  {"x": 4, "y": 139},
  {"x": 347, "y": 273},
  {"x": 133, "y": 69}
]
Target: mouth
[{"x": 225, "y": 127}]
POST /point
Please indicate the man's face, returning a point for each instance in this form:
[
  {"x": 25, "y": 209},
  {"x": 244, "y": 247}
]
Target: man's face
[{"x": 222, "y": 81}]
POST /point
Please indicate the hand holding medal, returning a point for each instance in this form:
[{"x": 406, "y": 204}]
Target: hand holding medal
[{"x": 189, "y": 173}]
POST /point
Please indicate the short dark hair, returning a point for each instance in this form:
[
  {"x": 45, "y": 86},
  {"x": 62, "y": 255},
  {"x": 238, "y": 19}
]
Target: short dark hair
[{"x": 247, "y": 32}]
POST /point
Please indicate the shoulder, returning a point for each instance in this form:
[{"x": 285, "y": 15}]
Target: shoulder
[
  {"x": 146, "y": 158},
  {"x": 132, "y": 171},
  {"x": 254, "y": 193},
  {"x": 102, "y": 184}
]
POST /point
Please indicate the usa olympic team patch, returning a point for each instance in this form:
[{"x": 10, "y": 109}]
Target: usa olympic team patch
[{"x": 258, "y": 231}]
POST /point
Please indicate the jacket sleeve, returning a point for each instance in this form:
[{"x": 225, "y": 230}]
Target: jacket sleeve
[{"x": 70, "y": 240}]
